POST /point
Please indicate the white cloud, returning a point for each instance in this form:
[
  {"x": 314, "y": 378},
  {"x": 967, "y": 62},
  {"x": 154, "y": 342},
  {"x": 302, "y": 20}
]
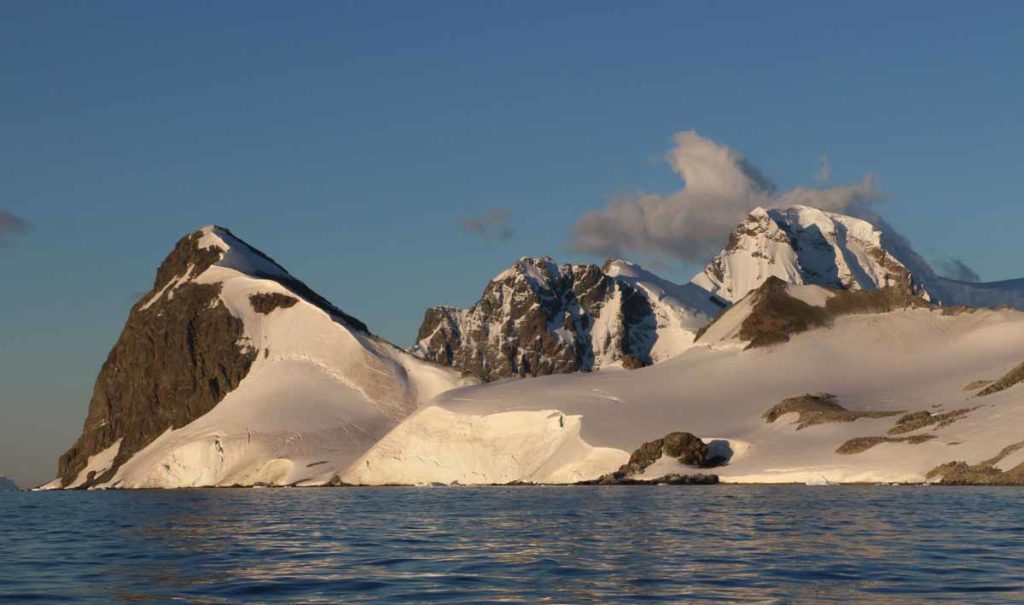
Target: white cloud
[{"x": 692, "y": 224}]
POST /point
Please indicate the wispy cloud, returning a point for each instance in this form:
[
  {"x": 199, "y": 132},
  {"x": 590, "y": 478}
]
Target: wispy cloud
[
  {"x": 10, "y": 225},
  {"x": 720, "y": 188},
  {"x": 492, "y": 225},
  {"x": 824, "y": 174},
  {"x": 954, "y": 268}
]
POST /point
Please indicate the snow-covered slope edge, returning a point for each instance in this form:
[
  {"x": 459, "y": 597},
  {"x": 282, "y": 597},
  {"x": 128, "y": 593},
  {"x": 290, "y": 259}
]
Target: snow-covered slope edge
[
  {"x": 914, "y": 359},
  {"x": 231, "y": 371}
]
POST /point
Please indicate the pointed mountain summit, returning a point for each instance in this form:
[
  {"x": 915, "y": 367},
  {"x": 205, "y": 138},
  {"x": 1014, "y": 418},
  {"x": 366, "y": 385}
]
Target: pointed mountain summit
[
  {"x": 806, "y": 246},
  {"x": 803, "y": 245},
  {"x": 232, "y": 371}
]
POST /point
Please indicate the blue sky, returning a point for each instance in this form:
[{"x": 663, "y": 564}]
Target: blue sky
[{"x": 350, "y": 140}]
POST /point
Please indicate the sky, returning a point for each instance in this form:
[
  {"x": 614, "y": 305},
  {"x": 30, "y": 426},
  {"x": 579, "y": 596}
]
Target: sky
[{"x": 395, "y": 156}]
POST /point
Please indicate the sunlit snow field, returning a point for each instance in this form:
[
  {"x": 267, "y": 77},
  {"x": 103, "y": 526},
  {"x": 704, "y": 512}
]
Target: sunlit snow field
[{"x": 518, "y": 544}]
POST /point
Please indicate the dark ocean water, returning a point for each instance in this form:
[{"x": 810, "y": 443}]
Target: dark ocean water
[{"x": 522, "y": 544}]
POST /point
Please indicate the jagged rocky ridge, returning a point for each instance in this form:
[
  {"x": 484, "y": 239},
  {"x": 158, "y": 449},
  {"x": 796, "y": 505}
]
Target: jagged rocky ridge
[{"x": 539, "y": 318}]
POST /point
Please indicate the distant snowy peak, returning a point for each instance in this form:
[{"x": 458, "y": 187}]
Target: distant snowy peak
[
  {"x": 538, "y": 317},
  {"x": 803, "y": 245}
]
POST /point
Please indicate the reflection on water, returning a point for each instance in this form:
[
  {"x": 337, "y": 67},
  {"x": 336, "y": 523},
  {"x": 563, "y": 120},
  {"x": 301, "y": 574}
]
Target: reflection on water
[{"x": 561, "y": 544}]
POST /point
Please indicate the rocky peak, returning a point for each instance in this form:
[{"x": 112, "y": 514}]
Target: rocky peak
[
  {"x": 217, "y": 247},
  {"x": 539, "y": 317},
  {"x": 803, "y": 245},
  {"x": 180, "y": 352},
  {"x": 534, "y": 318}
]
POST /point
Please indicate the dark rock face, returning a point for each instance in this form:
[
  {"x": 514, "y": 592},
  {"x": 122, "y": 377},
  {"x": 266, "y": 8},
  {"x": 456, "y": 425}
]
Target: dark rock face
[
  {"x": 863, "y": 444},
  {"x": 174, "y": 361},
  {"x": 538, "y": 318},
  {"x": 687, "y": 448},
  {"x": 913, "y": 421},
  {"x": 777, "y": 315},
  {"x": 265, "y": 302},
  {"x": 818, "y": 408}
]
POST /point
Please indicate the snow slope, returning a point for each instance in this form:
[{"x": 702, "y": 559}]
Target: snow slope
[
  {"x": 907, "y": 360},
  {"x": 320, "y": 392}
]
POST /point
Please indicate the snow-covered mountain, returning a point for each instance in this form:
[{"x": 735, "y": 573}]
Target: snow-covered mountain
[
  {"x": 539, "y": 317},
  {"x": 8, "y": 485},
  {"x": 815, "y": 347},
  {"x": 804, "y": 245},
  {"x": 231, "y": 371}
]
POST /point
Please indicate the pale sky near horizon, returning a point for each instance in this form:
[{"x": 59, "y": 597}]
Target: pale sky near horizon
[{"x": 395, "y": 155}]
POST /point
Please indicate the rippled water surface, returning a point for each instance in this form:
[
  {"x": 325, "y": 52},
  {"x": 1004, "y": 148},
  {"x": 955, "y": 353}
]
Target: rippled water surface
[{"x": 526, "y": 544}]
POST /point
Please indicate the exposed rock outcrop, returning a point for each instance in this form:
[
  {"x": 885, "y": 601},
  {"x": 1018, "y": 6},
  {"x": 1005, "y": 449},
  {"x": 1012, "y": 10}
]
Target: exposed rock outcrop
[
  {"x": 540, "y": 318},
  {"x": 775, "y": 312},
  {"x": 620, "y": 478},
  {"x": 265, "y": 302},
  {"x": 687, "y": 448},
  {"x": 818, "y": 408},
  {"x": 983, "y": 473},
  {"x": 863, "y": 444},
  {"x": 913, "y": 421}
]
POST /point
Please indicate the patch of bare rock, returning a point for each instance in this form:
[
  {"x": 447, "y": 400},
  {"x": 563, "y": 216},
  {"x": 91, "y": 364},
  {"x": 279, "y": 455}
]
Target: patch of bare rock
[
  {"x": 863, "y": 444},
  {"x": 265, "y": 302},
  {"x": 818, "y": 408},
  {"x": 913, "y": 421},
  {"x": 983, "y": 473},
  {"x": 686, "y": 448}
]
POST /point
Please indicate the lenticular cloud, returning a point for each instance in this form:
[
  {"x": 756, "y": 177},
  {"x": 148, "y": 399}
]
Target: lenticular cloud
[{"x": 692, "y": 224}]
